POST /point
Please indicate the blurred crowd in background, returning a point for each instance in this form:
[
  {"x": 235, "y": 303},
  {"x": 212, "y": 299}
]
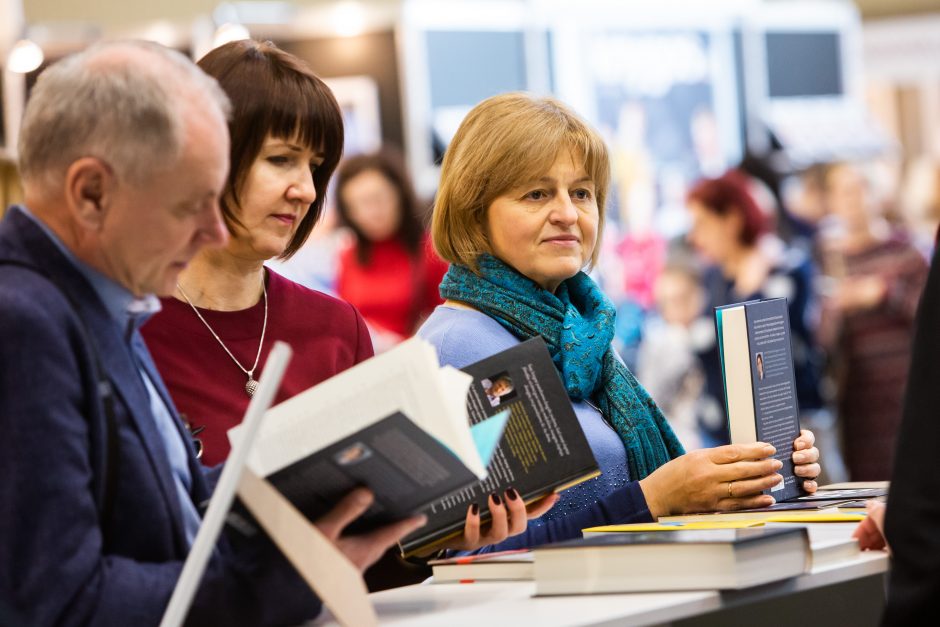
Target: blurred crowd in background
[
  {"x": 842, "y": 244},
  {"x": 741, "y": 170}
]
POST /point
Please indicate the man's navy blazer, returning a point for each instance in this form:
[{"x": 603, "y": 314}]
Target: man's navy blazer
[{"x": 59, "y": 562}]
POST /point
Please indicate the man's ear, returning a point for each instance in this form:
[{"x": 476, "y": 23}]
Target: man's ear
[{"x": 89, "y": 189}]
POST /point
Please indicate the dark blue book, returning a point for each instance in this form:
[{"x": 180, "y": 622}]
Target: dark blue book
[
  {"x": 542, "y": 451},
  {"x": 759, "y": 381}
]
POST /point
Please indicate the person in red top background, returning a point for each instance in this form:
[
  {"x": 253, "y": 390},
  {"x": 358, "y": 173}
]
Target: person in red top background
[{"x": 390, "y": 272}]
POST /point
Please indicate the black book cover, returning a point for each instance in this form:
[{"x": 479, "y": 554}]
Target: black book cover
[
  {"x": 404, "y": 466},
  {"x": 543, "y": 447},
  {"x": 774, "y": 385}
]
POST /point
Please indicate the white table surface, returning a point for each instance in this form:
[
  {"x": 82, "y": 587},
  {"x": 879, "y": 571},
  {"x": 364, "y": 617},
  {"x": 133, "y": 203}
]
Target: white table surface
[{"x": 488, "y": 604}]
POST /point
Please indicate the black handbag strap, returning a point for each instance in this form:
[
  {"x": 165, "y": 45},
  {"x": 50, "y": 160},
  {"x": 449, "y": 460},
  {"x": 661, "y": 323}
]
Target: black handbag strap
[{"x": 105, "y": 393}]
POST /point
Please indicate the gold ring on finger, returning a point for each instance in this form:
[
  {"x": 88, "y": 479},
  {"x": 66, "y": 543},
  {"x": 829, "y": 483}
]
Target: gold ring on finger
[{"x": 730, "y": 495}]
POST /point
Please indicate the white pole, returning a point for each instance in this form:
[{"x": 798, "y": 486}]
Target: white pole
[{"x": 225, "y": 490}]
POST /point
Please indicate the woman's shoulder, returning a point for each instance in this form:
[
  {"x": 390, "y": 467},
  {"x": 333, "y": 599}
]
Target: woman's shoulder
[
  {"x": 282, "y": 288},
  {"x": 311, "y": 316},
  {"x": 309, "y": 306},
  {"x": 464, "y": 336}
]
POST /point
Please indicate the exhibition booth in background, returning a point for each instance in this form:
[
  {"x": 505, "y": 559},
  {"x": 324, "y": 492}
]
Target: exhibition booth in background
[{"x": 679, "y": 89}]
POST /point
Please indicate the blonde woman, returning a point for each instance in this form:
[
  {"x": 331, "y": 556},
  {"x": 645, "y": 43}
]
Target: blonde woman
[{"x": 518, "y": 215}]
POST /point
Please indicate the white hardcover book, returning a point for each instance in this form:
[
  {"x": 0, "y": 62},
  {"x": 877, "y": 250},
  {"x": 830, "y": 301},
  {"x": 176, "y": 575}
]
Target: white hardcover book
[
  {"x": 517, "y": 565},
  {"x": 225, "y": 489},
  {"x": 406, "y": 379},
  {"x": 724, "y": 559}
]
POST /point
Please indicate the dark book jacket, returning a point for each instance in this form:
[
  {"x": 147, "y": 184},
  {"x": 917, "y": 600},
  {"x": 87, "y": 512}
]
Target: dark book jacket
[
  {"x": 543, "y": 449},
  {"x": 404, "y": 467},
  {"x": 759, "y": 380},
  {"x": 323, "y": 443}
]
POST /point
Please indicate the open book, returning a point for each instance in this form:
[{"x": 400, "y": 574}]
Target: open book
[
  {"x": 396, "y": 423},
  {"x": 420, "y": 436},
  {"x": 543, "y": 449},
  {"x": 325, "y": 569}
]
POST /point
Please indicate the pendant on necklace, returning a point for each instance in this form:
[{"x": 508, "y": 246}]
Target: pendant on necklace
[{"x": 251, "y": 386}]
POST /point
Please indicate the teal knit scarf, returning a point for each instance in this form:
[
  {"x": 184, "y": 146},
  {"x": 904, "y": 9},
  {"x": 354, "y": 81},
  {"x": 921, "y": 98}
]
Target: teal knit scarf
[{"x": 577, "y": 324}]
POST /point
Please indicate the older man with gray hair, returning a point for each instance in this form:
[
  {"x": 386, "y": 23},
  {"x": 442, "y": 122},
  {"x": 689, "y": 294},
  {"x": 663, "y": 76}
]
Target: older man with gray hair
[{"x": 123, "y": 155}]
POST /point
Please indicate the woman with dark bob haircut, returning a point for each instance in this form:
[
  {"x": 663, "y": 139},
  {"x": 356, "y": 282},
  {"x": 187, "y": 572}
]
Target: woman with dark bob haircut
[{"x": 211, "y": 339}]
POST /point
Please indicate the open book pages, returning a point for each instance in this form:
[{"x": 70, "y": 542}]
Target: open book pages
[{"x": 407, "y": 379}]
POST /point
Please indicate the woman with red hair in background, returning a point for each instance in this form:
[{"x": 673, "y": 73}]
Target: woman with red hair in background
[{"x": 731, "y": 231}]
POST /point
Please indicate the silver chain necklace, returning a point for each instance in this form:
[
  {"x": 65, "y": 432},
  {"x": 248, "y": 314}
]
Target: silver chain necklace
[{"x": 252, "y": 384}]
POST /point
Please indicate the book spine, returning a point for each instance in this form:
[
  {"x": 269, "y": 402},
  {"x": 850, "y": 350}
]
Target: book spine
[{"x": 739, "y": 393}]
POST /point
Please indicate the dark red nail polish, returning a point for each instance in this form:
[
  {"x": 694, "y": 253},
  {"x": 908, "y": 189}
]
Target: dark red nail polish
[
  {"x": 496, "y": 499},
  {"x": 474, "y": 509},
  {"x": 512, "y": 494}
]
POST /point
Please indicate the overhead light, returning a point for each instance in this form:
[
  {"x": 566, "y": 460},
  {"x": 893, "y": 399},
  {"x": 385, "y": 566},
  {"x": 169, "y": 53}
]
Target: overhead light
[
  {"x": 25, "y": 57},
  {"x": 162, "y": 32},
  {"x": 349, "y": 19},
  {"x": 228, "y": 32},
  {"x": 254, "y": 12}
]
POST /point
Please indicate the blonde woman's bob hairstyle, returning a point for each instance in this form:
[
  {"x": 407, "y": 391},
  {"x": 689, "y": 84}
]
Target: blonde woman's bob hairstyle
[{"x": 504, "y": 142}]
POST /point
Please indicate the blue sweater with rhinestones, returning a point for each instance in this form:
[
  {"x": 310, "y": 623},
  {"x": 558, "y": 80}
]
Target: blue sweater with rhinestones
[{"x": 464, "y": 336}]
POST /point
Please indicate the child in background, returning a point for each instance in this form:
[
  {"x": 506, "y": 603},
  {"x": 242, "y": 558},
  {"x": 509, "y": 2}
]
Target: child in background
[{"x": 667, "y": 362}]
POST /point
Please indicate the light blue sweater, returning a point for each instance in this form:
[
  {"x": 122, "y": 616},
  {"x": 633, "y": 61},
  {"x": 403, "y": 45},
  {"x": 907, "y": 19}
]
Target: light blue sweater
[{"x": 462, "y": 337}]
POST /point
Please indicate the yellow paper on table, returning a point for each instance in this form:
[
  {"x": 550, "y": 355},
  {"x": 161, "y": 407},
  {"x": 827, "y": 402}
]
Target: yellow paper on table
[
  {"x": 674, "y": 526},
  {"x": 817, "y": 518}
]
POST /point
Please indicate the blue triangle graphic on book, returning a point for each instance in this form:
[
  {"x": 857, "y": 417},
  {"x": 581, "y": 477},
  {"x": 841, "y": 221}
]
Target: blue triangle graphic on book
[{"x": 487, "y": 433}]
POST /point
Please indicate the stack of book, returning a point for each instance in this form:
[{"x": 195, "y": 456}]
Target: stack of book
[
  {"x": 514, "y": 565},
  {"x": 723, "y": 559}
]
